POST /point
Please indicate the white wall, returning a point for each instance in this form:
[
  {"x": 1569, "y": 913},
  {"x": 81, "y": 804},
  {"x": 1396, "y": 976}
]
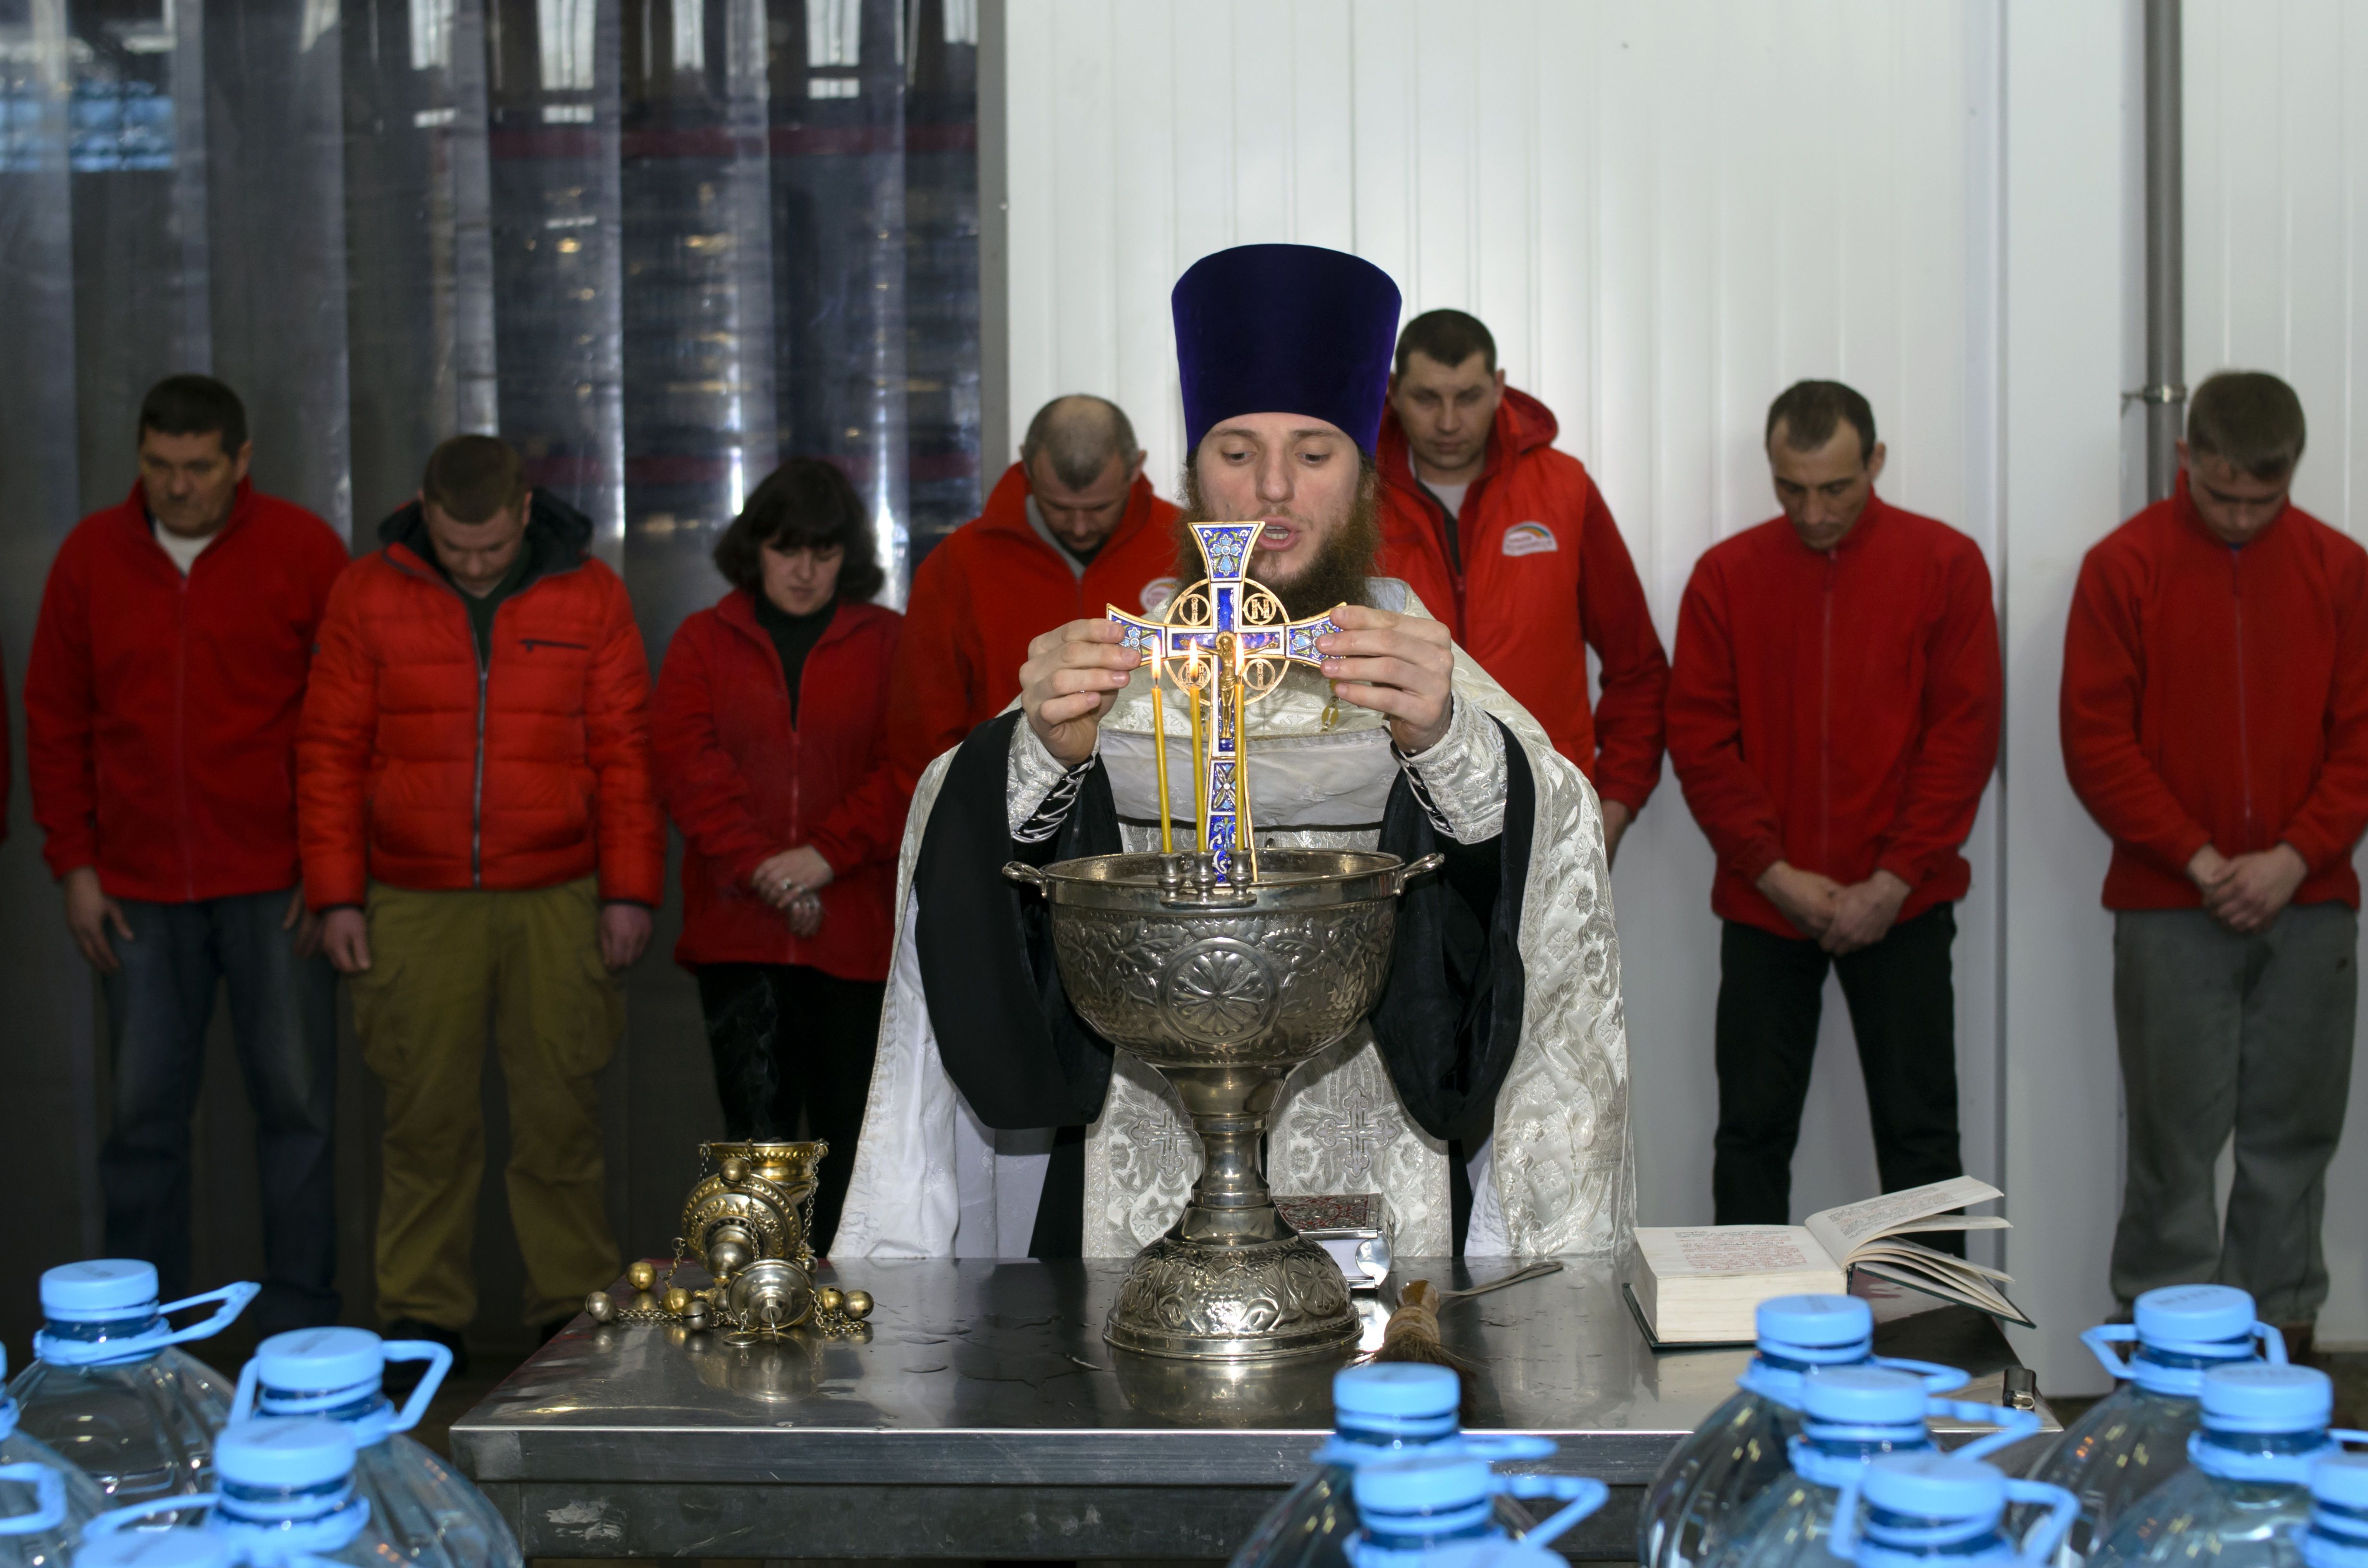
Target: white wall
[
  {"x": 1666, "y": 213},
  {"x": 2277, "y": 279}
]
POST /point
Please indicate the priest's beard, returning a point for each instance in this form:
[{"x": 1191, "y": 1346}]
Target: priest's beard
[{"x": 1338, "y": 574}]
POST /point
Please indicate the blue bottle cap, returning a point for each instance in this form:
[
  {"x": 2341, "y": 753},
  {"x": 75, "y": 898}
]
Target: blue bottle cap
[
  {"x": 2192, "y": 1314},
  {"x": 1862, "y": 1396},
  {"x": 181, "y": 1548},
  {"x": 284, "y": 1452},
  {"x": 100, "y": 1288},
  {"x": 2254, "y": 1396},
  {"x": 318, "y": 1360},
  {"x": 1813, "y": 1323},
  {"x": 1935, "y": 1486},
  {"x": 1424, "y": 1485},
  {"x": 2342, "y": 1479},
  {"x": 1397, "y": 1390}
]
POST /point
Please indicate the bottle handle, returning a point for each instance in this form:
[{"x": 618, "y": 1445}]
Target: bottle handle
[
  {"x": 1507, "y": 1446},
  {"x": 1844, "y": 1539},
  {"x": 1584, "y": 1494},
  {"x": 234, "y": 1299},
  {"x": 2014, "y": 1425},
  {"x": 440, "y": 1364},
  {"x": 1938, "y": 1379},
  {"x": 49, "y": 1499},
  {"x": 2106, "y": 1334},
  {"x": 2039, "y": 1543},
  {"x": 115, "y": 1519}
]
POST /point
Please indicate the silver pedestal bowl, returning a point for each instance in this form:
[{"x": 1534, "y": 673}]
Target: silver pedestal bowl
[{"x": 1223, "y": 990}]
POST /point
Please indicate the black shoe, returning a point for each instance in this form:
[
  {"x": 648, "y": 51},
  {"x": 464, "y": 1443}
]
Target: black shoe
[{"x": 413, "y": 1328}]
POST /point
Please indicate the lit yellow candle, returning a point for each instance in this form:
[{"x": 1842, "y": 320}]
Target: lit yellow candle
[{"x": 1159, "y": 750}]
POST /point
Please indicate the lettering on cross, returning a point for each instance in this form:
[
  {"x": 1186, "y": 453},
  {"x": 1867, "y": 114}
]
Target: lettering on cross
[{"x": 1224, "y": 642}]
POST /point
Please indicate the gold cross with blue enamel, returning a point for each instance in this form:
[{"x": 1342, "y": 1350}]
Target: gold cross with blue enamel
[{"x": 1226, "y": 642}]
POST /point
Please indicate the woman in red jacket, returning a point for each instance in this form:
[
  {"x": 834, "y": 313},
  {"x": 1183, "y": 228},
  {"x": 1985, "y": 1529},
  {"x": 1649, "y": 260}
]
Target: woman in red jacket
[{"x": 769, "y": 757}]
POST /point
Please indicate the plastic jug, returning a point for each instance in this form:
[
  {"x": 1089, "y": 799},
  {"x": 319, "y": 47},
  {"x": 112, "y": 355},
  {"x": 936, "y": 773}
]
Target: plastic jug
[
  {"x": 1933, "y": 1510},
  {"x": 286, "y": 1498},
  {"x": 2245, "y": 1497},
  {"x": 109, "y": 1392},
  {"x": 1733, "y": 1455},
  {"x": 82, "y": 1498},
  {"x": 1849, "y": 1416},
  {"x": 33, "y": 1528},
  {"x": 433, "y": 1515},
  {"x": 2134, "y": 1439},
  {"x": 1439, "y": 1511},
  {"x": 2336, "y": 1536},
  {"x": 1390, "y": 1410}
]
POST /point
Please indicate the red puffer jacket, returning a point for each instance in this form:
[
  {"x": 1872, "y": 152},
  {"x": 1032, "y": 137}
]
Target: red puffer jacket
[
  {"x": 1541, "y": 575},
  {"x": 160, "y": 711},
  {"x": 744, "y": 783},
  {"x": 416, "y": 768}
]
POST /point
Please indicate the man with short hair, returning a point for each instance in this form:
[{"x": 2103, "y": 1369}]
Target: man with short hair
[
  {"x": 167, "y": 672},
  {"x": 1486, "y": 1102},
  {"x": 1071, "y": 526},
  {"x": 2214, "y": 714},
  {"x": 480, "y": 838},
  {"x": 1511, "y": 543},
  {"x": 1833, "y": 719}
]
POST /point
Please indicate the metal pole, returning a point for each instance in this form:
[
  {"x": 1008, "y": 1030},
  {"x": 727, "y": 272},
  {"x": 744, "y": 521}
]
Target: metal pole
[{"x": 2165, "y": 393}]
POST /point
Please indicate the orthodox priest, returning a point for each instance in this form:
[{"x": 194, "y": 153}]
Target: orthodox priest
[{"x": 1487, "y": 1099}]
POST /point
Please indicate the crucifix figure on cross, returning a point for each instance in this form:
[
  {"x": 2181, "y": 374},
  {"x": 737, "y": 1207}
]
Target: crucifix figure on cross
[{"x": 1226, "y": 642}]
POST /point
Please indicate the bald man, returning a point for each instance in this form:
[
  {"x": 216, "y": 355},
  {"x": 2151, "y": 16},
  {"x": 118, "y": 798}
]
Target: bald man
[{"x": 1072, "y": 527}]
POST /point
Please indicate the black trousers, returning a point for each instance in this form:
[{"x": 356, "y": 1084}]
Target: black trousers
[
  {"x": 1903, "y": 1009},
  {"x": 788, "y": 1039}
]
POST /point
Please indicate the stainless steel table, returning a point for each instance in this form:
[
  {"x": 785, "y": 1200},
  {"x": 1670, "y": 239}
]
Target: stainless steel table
[{"x": 985, "y": 1418}]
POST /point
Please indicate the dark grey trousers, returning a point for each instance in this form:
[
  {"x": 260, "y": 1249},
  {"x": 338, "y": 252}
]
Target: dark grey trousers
[{"x": 2225, "y": 1034}]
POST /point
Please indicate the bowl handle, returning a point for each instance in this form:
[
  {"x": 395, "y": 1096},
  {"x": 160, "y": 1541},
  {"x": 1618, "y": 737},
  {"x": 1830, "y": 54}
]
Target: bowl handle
[
  {"x": 1021, "y": 871},
  {"x": 1417, "y": 867}
]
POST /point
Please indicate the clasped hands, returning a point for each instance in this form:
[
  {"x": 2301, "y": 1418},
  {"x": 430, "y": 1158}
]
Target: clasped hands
[
  {"x": 1396, "y": 665},
  {"x": 1842, "y": 919},
  {"x": 791, "y": 882},
  {"x": 2244, "y": 892}
]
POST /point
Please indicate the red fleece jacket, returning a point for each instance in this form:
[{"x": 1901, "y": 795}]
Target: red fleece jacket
[
  {"x": 1541, "y": 577},
  {"x": 160, "y": 711},
  {"x": 982, "y": 595},
  {"x": 745, "y": 782},
  {"x": 1837, "y": 709},
  {"x": 2219, "y": 694}
]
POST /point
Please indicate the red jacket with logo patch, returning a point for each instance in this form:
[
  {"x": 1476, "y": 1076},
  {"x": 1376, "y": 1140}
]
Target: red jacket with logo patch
[
  {"x": 160, "y": 711},
  {"x": 1543, "y": 576},
  {"x": 745, "y": 783},
  {"x": 1837, "y": 709},
  {"x": 418, "y": 768},
  {"x": 2215, "y": 695},
  {"x": 987, "y": 592}
]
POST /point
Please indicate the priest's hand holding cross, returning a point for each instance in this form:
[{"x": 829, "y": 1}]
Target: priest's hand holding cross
[{"x": 1397, "y": 666}]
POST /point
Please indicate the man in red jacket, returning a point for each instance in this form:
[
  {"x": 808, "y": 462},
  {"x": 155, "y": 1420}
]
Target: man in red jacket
[
  {"x": 1072, "y": 525},
  {"x": 2215, "y": 723},
  {"x": 1833, "y": 719},
  {"x": 481, "y": 837},
  {"x": 1509, "y": 541},
  {"x": 167, "y": 671}
]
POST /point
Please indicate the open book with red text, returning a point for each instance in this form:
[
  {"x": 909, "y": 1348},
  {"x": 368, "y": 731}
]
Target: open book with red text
[{"x": 1701, "y": 1284}]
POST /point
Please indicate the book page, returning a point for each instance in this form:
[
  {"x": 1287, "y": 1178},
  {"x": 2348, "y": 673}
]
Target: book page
[
  {"x": 1677, "y": 1251},
  {"x": 1896, "y": 1248},
  {"x": 1840, "y": 1231}
]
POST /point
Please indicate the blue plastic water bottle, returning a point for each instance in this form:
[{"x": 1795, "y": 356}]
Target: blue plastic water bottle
[
  {"x": 1439, "y": 1511},
  {"x": 1934, "y": 1510},
  {"x": 79, "y": 1495},
  {"x": 286, "y": 1498},
  {"x": 433, "y": 1516},
  {"x": 110, "y": 1392},
  {"x": 2136, "y": 1438},
  {"x": 1850, "y": 1417},
  {"x": 2336, "y": 1536},
  {"x": 1392, "y": 1411},
  {"x": 2246, "y": 1496},
  {"x": 1735, "y": 1455}
]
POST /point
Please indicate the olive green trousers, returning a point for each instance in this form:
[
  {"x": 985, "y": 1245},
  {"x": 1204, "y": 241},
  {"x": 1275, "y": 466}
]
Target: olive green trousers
[{"x": 448, "y": 971}]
